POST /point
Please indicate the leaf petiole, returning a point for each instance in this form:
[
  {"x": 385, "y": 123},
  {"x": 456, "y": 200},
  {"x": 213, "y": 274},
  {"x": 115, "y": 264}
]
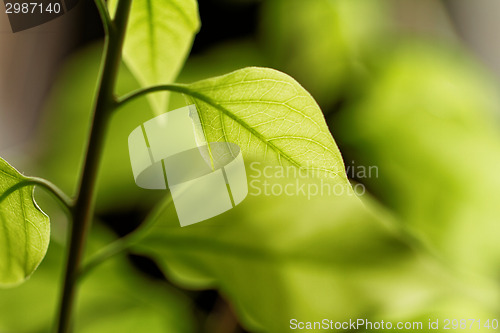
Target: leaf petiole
[
  {"x": 57, "y": 193},
  {"x": 107, "y": 22},
  {"x": 125, "y": 243}
]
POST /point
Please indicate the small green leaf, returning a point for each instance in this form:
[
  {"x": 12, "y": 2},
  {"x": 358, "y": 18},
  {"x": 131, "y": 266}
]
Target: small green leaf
[
  {"x": 270, "y": 116},
  {"x": 31, "y": 307},
  {"x": 158, "y": 39},
  {"x": 24, "y": 228}
]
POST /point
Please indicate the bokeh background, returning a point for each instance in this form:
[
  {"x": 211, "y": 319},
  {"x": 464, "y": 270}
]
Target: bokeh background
[{"x": 409, "y": 86}]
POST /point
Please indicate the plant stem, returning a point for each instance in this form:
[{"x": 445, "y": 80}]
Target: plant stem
[
  {"x": 176, "y": 87},
  {"x": 63, "y": 199},
  {"x": 104, "y": 13},
  {"x": 125, "y": 243},
  {"x": 145, "y": 91},
  {"x": 84, "y": 205}
]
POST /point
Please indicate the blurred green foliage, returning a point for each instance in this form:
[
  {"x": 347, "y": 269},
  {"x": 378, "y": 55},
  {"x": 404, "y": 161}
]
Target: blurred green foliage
[
  {"x": 429, "y": 121},
  {"x": 323, "y": 44}
]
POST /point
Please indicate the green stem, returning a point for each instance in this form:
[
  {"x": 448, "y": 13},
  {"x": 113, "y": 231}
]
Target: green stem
[
  {"x": 144, "y": 91},
  {"x": 123, "y": 244},
  {"x": 178, "y": 88},
  {"x": 84, "y": 206},
  {"x": 107, "y": 22},
  {"x": 63, "y": 199}
]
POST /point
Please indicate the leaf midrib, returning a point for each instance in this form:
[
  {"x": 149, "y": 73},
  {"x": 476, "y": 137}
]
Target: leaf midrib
[
  {"x": 223, "y": 110},
  {"x": 217, "y": 247}
]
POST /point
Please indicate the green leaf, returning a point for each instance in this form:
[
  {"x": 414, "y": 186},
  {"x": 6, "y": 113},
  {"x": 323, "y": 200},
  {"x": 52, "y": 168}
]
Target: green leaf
[
  {"x": 24, "y": 228},
  {"x": 270, "y": 116},
  {"x": 32, "y": 306},
  {"x": 158, "y": 39},
  {"x": 278, "y": 258}
]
